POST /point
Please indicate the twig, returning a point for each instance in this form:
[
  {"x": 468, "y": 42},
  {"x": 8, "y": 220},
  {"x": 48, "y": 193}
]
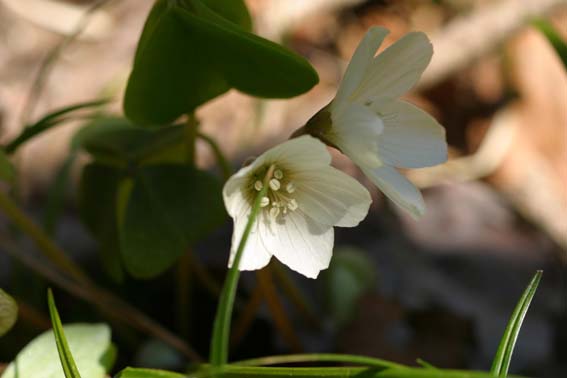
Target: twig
[
  {"x": 468, "y": 38},
  {"x": 49, "y": 61},
  {"x": 103, "y": 299},
  {"x": 281, "y": 320},
  {"x": 243, "y": 323}
]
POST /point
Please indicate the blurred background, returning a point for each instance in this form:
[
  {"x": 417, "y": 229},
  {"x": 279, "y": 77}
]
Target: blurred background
[{"x": 441, "y": 288}]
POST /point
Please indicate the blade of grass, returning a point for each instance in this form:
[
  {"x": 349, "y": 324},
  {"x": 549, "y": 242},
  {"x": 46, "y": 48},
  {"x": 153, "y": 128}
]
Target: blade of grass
[
  {"x": 320, "y": 357},
  {"x": 67, "y": 362},
  {"x": 501, "y": 362},
  {"x": 53, "y": 119}
]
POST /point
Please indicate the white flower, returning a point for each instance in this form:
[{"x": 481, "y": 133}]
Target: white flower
[
  {"x": 305, "y": 199},
  {"x": 373, "y": 127}
]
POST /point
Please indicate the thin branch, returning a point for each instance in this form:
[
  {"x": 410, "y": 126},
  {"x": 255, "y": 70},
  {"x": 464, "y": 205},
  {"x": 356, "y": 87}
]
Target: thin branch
[
  {"x": 49, "y": 61},
  {"x": 104, "y": 300}
]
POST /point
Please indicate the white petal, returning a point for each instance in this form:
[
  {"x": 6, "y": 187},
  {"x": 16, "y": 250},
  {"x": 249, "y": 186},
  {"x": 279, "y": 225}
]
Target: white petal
[
  {"x": 397, "y": 188},
  {"x": 411, "y": 137},
  {"x": 233, "y": 194},
  {"x": 299, "y": 154},
  {"x": 395, "y": 70},
  {"x": 361, "y": 59},
  {"x": 356, "y": 129},
  {"x": 300, "y": 243},
  {"x": 255, "y": 255},
  {"x": 333, "y": 198}
]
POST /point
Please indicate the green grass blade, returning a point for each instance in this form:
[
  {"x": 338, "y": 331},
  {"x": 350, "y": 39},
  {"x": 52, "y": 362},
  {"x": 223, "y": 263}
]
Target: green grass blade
[
  {"x": 554, "y": 39},
  {"x": 52, "y": 119},
  {"x": 501, "y": 362},
  {"x": 320, "y": 357},
  {"x": 67, "y": 362},
  {"x": 235, "y": 371}
]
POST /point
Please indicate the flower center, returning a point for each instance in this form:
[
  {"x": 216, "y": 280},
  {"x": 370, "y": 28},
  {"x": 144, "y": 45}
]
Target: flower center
[{"x": 279, "y": 199}]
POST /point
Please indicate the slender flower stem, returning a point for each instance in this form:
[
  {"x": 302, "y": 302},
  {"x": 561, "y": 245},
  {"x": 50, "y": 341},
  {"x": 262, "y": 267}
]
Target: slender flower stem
[
  {"x": 320, "y": 357},
  {"x": 45, "y": 244},
  {"x": 221, "y": 328},
  {"x": 221, "y": 159},
  {"x": 190, "y": 138}
]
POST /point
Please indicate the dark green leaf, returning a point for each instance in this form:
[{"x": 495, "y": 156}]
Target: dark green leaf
[
  {"x": 189, "y": 54},
  {"x": 65, "y": 356},
  {"x": 7, "y": 172},
  {"x": 170, "y": 207},
  {"x": 147, "y": 373},
  {"x": 501, "y": 362},
  {"x": 98, "y": 204},
  {"x": 232, "y": 10},
  {"x": 116, "y": 141},
  {"x": 349, "y": 276},
  {"x": 554, "y": 39},
  {"x": 53, "y": 119},
  {"x": 56, "y": 195},
  {"x": 8, "y": 312}
]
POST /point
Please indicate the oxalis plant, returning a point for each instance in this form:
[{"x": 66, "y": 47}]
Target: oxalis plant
[{"x": 145, "y": 201}]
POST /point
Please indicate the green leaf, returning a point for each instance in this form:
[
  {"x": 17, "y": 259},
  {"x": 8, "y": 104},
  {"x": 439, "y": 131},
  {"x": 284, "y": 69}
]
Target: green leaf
[
  {"x": 65, "y": 356},
  {"x": 232, "y": 10},
  {"x": 8, "y": 312},
  {"x": 349, "y": 276},
  {"x": 189, "y": 54},
  {"x": 89, "y": 343},
  {"x": 117, "y": 141},
  {"x": 501, "y": 362},
  {"x": 170, "y": 207},
  {"x": 98, "y": 196},
  {"x": 558, "y": 44},
  {"x": 7, "y": 172},
  {"x": 49, "y": 121}
]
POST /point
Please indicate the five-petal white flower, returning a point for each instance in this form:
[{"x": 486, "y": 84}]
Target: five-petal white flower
[
  {"x": 379, "y": 132},
  {"x": 305, "y": 199}
]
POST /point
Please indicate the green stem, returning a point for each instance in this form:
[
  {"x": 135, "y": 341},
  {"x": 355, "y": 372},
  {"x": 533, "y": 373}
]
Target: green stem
[
  {"x": 320, "y": 357},
  {"x": 190, "y": 138},
  {"x": 221, "y": 159},
  {"x": 45, "y": 244},
  {"x": 221, "y": 328}
]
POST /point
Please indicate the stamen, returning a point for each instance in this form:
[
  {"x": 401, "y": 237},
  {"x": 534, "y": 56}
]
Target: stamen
[
  {"x": 278, "y": 174},
  {"x": 275, "y": 184},
  {"x": 290, "y": 187},
  {"x": 292, "y": 204},
  {"x": 274, "y": 212},
  {"x": 265, "y": 201},
  {"x": 258, "y": 185}
]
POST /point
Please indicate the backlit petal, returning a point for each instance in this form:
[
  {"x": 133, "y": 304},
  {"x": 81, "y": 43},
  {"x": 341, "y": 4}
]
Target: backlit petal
[
  {"x": 397, "y": 188},
  {"x": 361, "y": 60},
  {"x": 333, "y": 198},
  {"x": 299, "y": 154},
  {"x": 394, "y": 71},
  {"x": 356, "y": 129},
  {"x": 255, "y": 255},
  {"x": 411, "y": 137},
  {"x": 302, "y": 244}
]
